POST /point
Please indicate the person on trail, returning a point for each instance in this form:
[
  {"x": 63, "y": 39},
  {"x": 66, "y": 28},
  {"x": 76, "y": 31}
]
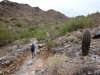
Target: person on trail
[{"x": 32, "y": 48}]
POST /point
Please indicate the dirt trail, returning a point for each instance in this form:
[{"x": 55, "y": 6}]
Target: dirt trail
[
  {"x": 28, "y": 66},
  {"x": 31, "y": 65}
]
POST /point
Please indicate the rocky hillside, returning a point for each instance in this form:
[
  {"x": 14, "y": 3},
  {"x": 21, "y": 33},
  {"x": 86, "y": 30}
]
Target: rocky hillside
[
  {"x": 63, "y": 58},
  {"x": 20, "y": 21},
  {"x": 12, "y": 11},
  {"x": 61, "y": 55}
]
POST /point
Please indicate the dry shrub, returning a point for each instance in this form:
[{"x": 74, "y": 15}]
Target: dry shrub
[
  {"x": 70, "y": 39},
  {"x": 77, "y": 34},
  {"x": 63, "y": 40},
  {"x": 55, "y": 61},
  {"x": 75, "y": 41},
  {"x": 86, "y": 70}
]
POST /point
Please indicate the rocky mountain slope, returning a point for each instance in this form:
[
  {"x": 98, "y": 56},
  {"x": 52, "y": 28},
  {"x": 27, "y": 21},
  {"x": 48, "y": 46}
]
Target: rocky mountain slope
[
  {"x": 29, "y": 15},
  {"x": 64, "y": 57},
  {"x": 17, "y": 19}
]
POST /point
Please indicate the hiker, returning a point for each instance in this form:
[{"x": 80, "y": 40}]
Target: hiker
[{"x": 32, "y": 48}]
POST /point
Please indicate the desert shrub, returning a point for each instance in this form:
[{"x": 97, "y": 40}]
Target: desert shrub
[
  {"x": 32, "y": 28},
  {"x": 16, "y": 37},
  {"x": 89, "y": 70},
  {"x": 24, "y": 33},
  {"x": 54, "y": 62},
  {"x": 76, "y": 23},
  {"x": 5, "y": 20},
  {"x": 77, "y": 34},
  {"x": 4, "y": 33},
  {"x": 18, "y": 24},
  {"x": 50, "y": 44},
  {"x": 39, "y": 33}
]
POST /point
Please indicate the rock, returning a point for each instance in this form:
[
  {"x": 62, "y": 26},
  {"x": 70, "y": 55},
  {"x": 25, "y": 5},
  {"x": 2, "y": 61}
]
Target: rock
[
  {"x": 26, "y": 74},
  {"x": 70, "y": 39},
  {"x": 97, "y": 72},
  {"x": 98, "y": 66},
  {"x": 60, "y": 38},
  {"x": 98, "y": 61},
  {"x": 15, "y": 47},
  {"x": 37, "y": 50},
  {"x": 0, "y": 72},
  {"x": 32, "y": 73},
  {"x": 24, "y": 48},
  {"x": 97, "y": 51},
  {"x": 1, "y": 59},
  {"x": 39, "y": 72},
  {"x": 99, "y": 54},
  {"x": 32, "y": 39},
  {"x": 97, "y": 35},
  {"x": 43, "y": 69},
  {"x": 74, "y": 51},
  {"x": 30, "y": 63},
  {"x": 41, "y": 45}
]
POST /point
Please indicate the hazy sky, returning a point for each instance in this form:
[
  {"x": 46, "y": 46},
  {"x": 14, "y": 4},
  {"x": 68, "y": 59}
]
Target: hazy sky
[{"x": 70, "y": 8}]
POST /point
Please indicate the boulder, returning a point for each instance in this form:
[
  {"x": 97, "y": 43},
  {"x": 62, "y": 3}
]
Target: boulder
[{"x": 97, "y": 35}]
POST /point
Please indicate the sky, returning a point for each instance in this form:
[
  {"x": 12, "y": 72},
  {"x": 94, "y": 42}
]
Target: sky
[{"x": 70, "y": 8}]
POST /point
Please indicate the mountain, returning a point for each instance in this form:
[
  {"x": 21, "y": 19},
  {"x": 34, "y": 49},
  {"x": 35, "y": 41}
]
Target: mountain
[
  {"x": 18, "y": 21},
  {"x": 29, "y": 15}
]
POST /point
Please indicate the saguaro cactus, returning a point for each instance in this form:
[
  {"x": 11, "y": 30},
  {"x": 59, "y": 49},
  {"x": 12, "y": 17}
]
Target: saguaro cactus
[{"x": 86, "y": 42}]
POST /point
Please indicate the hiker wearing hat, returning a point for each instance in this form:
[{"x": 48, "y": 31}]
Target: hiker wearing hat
[{"x": 32, "y": 47}]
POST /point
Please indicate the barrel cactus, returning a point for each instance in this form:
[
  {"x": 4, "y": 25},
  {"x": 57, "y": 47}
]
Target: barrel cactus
[{"x": 86, "y": 42}]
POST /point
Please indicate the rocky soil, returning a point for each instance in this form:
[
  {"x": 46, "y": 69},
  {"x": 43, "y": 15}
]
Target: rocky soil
[
  {"x": 65, "y": 54},
  {"x": 64, "y": 58}
]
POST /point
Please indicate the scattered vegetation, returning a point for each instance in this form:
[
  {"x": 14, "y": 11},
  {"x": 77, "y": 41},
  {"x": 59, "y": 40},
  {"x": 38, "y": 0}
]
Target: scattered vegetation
[
  {"x": 4, "y": 34},
  {"x": 87, "y": 70},
  {"x": 18, "y": 24},
  {"x": 54, "y": 62},
  {"x": 76, "y": 23},
  {"x": 50, "y": 44},
  {"x": 39, "y": 32},
  {"x": 5, "y": 20}
]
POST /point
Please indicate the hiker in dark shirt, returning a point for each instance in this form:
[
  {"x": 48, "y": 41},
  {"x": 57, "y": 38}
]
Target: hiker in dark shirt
[{"x": 32, "y": 48}]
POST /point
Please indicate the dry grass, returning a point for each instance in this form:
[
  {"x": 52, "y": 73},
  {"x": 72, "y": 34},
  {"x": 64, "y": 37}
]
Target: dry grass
[
  {"x": 77, "y": 34},
  {"x": 53, "y": 62},
  {"x": 70, "y": 39},
  {"x": 86, "y": 70}
]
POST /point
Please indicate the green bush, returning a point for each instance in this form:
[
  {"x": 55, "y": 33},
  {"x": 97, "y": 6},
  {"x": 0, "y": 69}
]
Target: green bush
[
  {"x": 39, "y": 33},
  {"x": 4, "y": 33},
  {"x": 5, "y": 20},
  {"x": 76, "y": 23},
  {"x": 49, "y": 44},
  {"x": 18, "y": 24},
  {"x": 31, "y": 28},
  {"x": 24, "y": 33},
  {"x": 16, "y": 37}
]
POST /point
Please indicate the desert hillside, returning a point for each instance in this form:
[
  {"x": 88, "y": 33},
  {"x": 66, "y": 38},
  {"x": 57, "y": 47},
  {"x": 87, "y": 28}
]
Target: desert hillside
[
  {"x": 16, "y": 18},
  {"x": 59, "y": 41}
]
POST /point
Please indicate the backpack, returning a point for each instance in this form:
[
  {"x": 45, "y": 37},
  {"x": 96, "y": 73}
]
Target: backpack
[{"x": 32, "y": 47}]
